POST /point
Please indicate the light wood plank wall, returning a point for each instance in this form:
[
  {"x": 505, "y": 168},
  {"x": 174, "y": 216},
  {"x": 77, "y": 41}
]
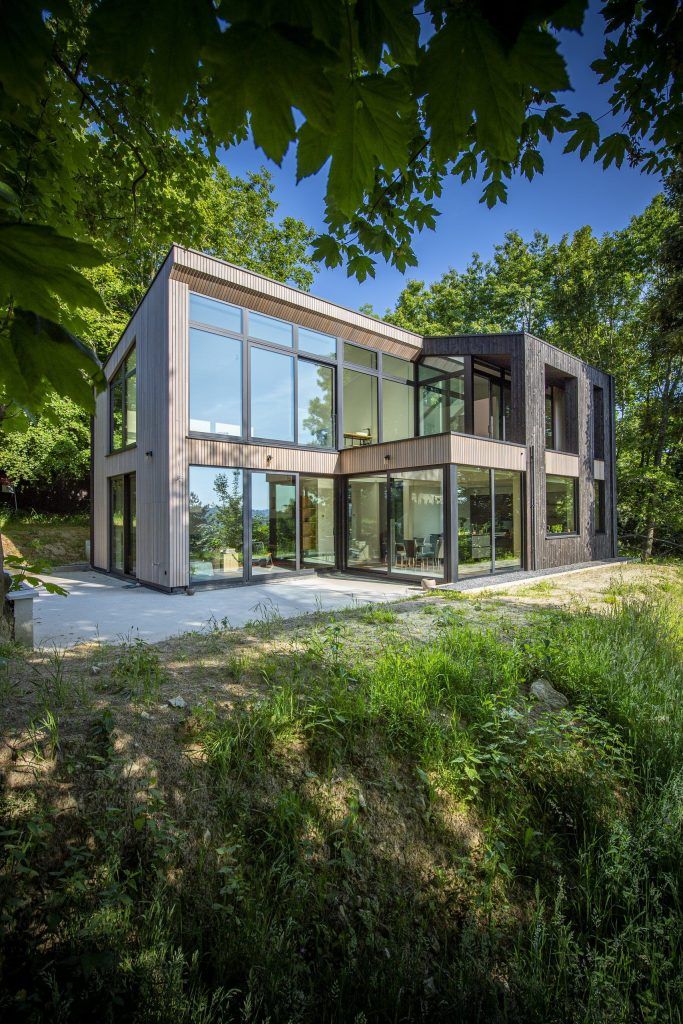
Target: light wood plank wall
[{"x": 149, "y": 330}]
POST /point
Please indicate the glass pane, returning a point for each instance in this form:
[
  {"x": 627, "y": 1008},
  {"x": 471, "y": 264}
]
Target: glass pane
[
  {"x": 507, "y": 410},
  {"x": 559, "y": 419},
  {"x": 438, "y": 366},
  {"x": 495, "y": 409},
  {"x": 367, "y": 522},
  {"x": 267, "y": 328},
  {"x": 474, "y": 521},
  {"x": 131, "y": 361},
  {"x": 273, "y": 523},
  {"x": 397, "y": 367},
  {"x": 481, "y": 405},
  {"x": 398, "y": 410},
  {"x": 360, "y": 356},
  {"x": 319, "y": 344},
  {"x": 215, "y": 383},
  {"x": 442, "y": 406},
  {"x": 117, "y": 531},
  {"x": 360, "y": 408},
  {"x": 316, "y": 502},
  {"x": 116, "y": 400},
  {"x": 272, "y": 395},
  {"x": 417, "y": 522},
  {"x": 131, "y": 410},
  {"x": 215, "y": 313},
  {"x": 132, "y": 553},
  {"x": 216, "y": 523},
  {"x": 549, "y": 440},
  {"x": 508, "y": 519},
  {"x": 560, "y": 504},
  {"x": 316, "y": 404}
]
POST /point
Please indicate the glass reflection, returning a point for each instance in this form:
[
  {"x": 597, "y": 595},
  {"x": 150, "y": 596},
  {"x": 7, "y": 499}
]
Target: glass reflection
[
  {"x": 316, "y": 404},
  {"x": 367, "y": 522},
  {"x": 508, "y": 519},
  {"x": 316, "y": 504},
  {"x": 216, "y": 523},
  {"x": 474, "y": 521},
  {"x": 273, "y": 523},
  {"x": 417, "y": 522}
]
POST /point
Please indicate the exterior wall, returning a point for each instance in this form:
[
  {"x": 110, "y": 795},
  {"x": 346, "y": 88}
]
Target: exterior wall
[
  {"x": 550, "y": 551},
  {"x": 149, "y": 330}
]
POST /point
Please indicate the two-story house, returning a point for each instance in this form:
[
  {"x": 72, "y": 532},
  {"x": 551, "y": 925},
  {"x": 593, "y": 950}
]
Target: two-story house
[{"x": 250, "y": 430}]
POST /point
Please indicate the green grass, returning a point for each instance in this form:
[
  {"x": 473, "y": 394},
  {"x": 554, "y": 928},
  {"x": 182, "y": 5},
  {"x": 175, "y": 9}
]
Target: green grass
[
  {"x": 47, "y": 539},
  {"x": 393, "y": 838}
]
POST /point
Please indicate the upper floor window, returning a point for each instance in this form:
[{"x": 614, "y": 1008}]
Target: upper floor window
[
  {"x": 123, "y": 403},
  {"x": 360, "y": 356},
  {"x": 268, "y": 328},
  {"x": 441, "y": 398},
  {"x": 215, "y": 383},
  {"x": 491, "y": 399},
  {"x": 214, "y": 313},
  {"x": 561, "y": 504},
  {"x": 555, "y": 418},
  {"x": 317, "y": 343}
]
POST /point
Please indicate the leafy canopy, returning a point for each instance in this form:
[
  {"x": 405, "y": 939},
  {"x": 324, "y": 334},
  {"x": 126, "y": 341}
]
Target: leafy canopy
[{"x": 386, "y": 97}]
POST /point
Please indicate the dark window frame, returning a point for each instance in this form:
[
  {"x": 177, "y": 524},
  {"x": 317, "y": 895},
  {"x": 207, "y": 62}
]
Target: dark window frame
[
  {"x": 575, "y": 532},
  {"x": 121, "y": 377},
  {"x": 599, "y": 520}
]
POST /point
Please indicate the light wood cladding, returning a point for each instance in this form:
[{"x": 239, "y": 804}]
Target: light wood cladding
[{"x": 561, "y": 464}]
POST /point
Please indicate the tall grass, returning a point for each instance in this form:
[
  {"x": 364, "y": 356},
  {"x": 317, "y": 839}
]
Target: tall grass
[{"x": 397, "y": 839}]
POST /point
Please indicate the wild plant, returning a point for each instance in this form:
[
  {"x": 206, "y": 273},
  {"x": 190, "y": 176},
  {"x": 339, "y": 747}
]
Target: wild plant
[{"x": 138, "y": 671}]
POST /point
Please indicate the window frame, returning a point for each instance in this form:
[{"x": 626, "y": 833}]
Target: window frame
[
  {"x": 577, "y": 525},
  {"x": 123, "y": 376},
  {"x": 599, "y": 524}
]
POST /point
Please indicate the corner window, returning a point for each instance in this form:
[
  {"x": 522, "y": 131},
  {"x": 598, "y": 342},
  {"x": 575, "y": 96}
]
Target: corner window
[
  {"x": 215, "y": 383},
  {"x": 599, "y": 506},
  {"x": 561, "y": 505},
  {"x": 441, "y": 397},
  {"x": 123, "y": 404}
]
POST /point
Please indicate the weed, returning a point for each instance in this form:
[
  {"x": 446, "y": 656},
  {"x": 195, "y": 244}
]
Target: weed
[
  {"x": 378, "y": 616},
  {"x": 138, "y": 671}
]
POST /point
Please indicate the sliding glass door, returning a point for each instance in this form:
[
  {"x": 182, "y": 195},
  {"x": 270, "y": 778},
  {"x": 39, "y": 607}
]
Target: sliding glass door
[
  {"x": 489, "y": 520},
  {"x": 273, "y": 523},
  {"x": 395, "y": 523}
]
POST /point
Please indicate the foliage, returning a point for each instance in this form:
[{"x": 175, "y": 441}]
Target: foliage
[
  {"x": 386, "y": 104},
  {"x": 404, "y": 837},
  {"x": 613, "y": 301}
]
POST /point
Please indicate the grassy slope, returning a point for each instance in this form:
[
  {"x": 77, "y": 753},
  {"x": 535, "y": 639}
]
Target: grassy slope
[
  {"x": 48, "y": 539},
  {"x": 359, "y": 818}
]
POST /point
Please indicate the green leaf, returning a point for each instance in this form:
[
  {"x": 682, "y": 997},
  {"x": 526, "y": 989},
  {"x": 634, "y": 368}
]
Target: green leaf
[
  {"x": 389, "y": 22},
  {"x": 613, "y": 149},
  {"x": 327, "y": 250},
  {"x": 535, "y": 58},
  {"x": 264, "y": 74},
  {"x": 373, "y": 128},
  {"x": 465, "y": 70},
  {"x": 25, "y": 46},
  {"x": 585, "y": 135},
  {"x": 495, "y": 192},
  {"x": 37, "y": 270},
  {"x": 313, "y": 149},
  {"x": 37, "y": 354},
  {"x": 531, "y": 163},
  {"x": 361, "y": 267}
]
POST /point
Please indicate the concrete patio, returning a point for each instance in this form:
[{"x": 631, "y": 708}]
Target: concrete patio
[{"x": 103, "y": 608}]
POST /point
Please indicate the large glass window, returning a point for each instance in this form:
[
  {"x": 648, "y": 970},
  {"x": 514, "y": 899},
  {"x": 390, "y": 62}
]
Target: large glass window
[
  {"x": 216, "y": 523},
  {"x": 441, "y": 399},
  {"x": 316, "y": 404},
  {"x": 507, "y": 490},
  {"x": 123, "y": 524},
  {"x": 215, "y": 383},
  {"x": 117, "y": 504},
  {"x": 561, "y": 504},
  {"x": 272, "y": 395},
  {"x": 367, "y": 541},
  {"x": 475, "y": 552},
  {"x": 204, "y": 310},
  {"x": 267, "y": 328},
  {"x": 360, "y": 356},
  {"x": 123, "y": 404},
  {"x": 598, "y": 423},
  {"x": 316, "y": 503},
  {"x": 273, "y": 523},
  {"x": 360, "y": 408},
  {"x": 417, "y": 522},
  {"x": 398, "y": 410},
  {"x": 397, "y": 367},
  {"x": 555, "y": 418},
  {"x": 317, "y": 343}
]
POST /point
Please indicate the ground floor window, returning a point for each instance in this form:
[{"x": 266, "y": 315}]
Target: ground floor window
[
  {"x": 251, "y": 524},
  {"x": 216, "y": 523},
  {"x": 489, "y": 520},
  {"x": 561, "y": 504},
  {"x": 395, "y": 522},
  {"x": 123, "y": 524}
]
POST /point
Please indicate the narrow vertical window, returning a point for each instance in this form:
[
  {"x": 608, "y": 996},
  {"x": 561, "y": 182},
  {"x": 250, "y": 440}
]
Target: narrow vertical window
[{"x": 123, "y": 404}]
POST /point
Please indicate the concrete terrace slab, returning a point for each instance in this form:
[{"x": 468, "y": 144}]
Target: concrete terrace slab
[{"x": 104, "y": 608}]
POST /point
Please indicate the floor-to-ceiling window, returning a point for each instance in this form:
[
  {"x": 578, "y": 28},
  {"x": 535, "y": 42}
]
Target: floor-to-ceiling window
[
  {"x": 316, "y": 512},
  {"x": 395, "y": 522},
  {"x": 123, "y": 524},
  {"x": 273, "y": 523},
  {"x": 507, "y": 490},
  {"x": 416, "y": 522},
  {"x": 216, "y": 524}
]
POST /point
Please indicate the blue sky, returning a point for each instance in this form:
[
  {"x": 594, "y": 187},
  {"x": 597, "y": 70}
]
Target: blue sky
[{"x": 569, "y": 194}]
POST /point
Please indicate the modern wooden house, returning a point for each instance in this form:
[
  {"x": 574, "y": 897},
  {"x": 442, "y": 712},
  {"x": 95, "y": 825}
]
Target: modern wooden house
[{"x": 251, "y": 430}]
